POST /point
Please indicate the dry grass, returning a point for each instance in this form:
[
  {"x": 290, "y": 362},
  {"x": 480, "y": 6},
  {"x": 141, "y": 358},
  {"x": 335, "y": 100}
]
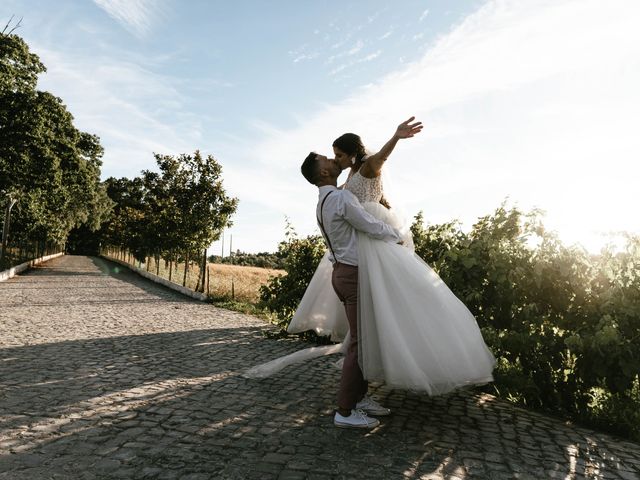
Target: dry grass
[
  {"x": 241, "y": 284},
  {"x": 246, "y": 281}
]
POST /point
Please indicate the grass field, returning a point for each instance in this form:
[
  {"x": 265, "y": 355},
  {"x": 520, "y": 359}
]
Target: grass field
[
  {"x": 246, "y": 281},
  {"x": 225, "y": 282}
]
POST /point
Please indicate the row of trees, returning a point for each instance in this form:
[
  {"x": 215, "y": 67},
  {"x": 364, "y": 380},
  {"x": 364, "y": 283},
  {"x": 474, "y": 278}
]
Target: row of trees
[
  {"x": 49, "y": 170},
  {"x": 174, "y": 214},
  {"x": 261, "y": 259},
  {"x": 564, "y": 324},
  {"x": 51, "y": 191}
]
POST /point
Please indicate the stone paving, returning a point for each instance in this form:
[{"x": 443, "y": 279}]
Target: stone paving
[{"x": 106, "y": 375}]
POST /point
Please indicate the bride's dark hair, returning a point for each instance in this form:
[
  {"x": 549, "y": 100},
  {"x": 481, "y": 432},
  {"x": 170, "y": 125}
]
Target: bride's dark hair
[{"x": 351, "y": 144}]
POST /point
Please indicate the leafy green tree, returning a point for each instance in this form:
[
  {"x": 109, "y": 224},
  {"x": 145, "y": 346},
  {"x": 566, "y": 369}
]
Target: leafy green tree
[
  {"x": 51, "y": 167},
  {"x": 125, "y": 227},
  {"x": 191, "y": 203},
  {"x": 197, "y": 201},
  {"x": 173, "y": 214}
]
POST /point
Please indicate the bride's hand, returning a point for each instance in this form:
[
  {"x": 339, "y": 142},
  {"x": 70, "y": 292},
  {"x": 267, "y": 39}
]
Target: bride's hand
[{"x": 407, "y": 129}]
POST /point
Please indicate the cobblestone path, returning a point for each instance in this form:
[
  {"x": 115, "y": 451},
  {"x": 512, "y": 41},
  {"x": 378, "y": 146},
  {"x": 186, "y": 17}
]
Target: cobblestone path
[{"x": 106, "y": 375}]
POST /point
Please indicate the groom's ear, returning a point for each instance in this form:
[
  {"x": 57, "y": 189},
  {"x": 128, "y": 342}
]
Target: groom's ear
[{"x": 323, "y": 173}]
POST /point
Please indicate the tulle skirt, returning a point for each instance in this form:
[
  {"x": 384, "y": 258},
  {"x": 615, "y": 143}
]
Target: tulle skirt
[
  {"x": 414, "y": 332},
  {"x": 320, "y": 309}
]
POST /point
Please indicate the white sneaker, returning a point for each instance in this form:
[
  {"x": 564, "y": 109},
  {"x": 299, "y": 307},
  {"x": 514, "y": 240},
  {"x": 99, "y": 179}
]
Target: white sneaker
[
  {"x": 357, "y": 419},
  {"x": 371, "y": 407}
]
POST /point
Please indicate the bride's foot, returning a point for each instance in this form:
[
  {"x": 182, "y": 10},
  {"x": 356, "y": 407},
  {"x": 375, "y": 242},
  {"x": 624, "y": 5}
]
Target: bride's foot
[
  {"x": 357, "y": 419},
  {"x": 371, "y": 407}
]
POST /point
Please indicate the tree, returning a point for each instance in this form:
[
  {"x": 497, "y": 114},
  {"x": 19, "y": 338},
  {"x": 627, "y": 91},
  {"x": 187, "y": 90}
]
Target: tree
[
  {"x": 51, "y": 167},
  {"x": 173, "y": 214},
  {"x": 125, "y": 226},
  {"x": 192, "y": 206}
]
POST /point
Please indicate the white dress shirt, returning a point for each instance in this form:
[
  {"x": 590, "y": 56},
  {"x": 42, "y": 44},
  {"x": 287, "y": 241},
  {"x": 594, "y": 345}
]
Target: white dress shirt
[{"x": 343, "y": 216}]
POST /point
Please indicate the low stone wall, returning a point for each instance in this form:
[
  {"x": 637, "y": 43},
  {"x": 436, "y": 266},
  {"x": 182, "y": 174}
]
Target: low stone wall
[
  {"x": 155, "y": 278},
  {"x": 13, "y": 271}
]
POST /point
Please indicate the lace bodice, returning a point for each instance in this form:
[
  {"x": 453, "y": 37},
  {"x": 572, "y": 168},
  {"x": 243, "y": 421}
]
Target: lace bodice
[{"x": 365, "y": 189}]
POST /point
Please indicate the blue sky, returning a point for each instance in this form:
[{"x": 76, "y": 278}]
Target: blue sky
[{"x": 531, "y": 100}]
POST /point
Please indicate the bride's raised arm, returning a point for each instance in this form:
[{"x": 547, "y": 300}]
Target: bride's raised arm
[{"x": 373, "y": 163}]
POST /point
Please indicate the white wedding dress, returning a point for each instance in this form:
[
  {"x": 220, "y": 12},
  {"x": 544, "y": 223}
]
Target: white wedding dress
[{"x": 414, "y": 332}]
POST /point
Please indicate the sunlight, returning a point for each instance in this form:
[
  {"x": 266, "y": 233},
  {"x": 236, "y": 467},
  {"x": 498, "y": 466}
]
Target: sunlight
[
  {"x": 572, "y": 451},
  {"x": 129, "y": 400},
  {"x": 555, "y": 133}
]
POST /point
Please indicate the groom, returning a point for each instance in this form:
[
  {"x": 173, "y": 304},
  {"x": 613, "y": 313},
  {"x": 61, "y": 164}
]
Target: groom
[{"x": 340, "y": 215}]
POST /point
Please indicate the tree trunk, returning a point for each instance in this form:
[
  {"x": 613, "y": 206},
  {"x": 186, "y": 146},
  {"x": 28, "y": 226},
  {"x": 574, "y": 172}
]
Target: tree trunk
[
  {"x": 158, "y": 265},
  {"x": 208, "y": 276},
  {"x": 200, "y": 272},
  {"x": 170, "y": 267},
  {"x": 5, "y": 228},
  {"x": 203, "y": 272},
  {"x": 186, "y": 267}
]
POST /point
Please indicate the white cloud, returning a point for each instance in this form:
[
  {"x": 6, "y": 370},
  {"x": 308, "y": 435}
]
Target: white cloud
[
  {"x": 339, "y": 69},
  {"x": 424, "y": 15},
  {"x": 349, "y": 63},
  {"x": 305, "y": 56},
  {"x": 532, "y": 100},
  {"x": 341, "y": 42},
  {"x": 135, "y": 15},
  {"x": 355, "y": 49},
  {"x": 347, "y": 53},
  {"x": 302, "y": 53},
  {"x": 371, "y": 56}
]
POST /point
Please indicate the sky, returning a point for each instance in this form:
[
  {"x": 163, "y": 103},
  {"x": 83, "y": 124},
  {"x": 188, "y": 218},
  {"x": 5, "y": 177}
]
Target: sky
[{"x": 532, "y": 102}]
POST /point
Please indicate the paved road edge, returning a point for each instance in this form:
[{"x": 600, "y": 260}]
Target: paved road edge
[
  {"x": 13, "y": 271},
  {"x": 155, "y": 278}
]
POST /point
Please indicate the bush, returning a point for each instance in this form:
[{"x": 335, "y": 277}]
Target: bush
[
  {"x": 564, "y": 324},
  {"x": 282, "y": 293}
]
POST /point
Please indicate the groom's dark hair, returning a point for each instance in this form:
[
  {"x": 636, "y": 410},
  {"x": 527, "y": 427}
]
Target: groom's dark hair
[{"x": 309, "y": 168}]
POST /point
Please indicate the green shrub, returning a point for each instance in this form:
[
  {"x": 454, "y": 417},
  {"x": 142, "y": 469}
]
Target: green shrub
[
  {"x": 282, "y": 293},
  {"x": 564, "y": 324}
]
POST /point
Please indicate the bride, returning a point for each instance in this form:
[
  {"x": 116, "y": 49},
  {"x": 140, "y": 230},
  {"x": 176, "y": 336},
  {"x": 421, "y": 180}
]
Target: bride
[{"x": 414, "y": 332}]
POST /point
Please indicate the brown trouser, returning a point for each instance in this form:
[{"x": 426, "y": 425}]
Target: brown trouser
[{"x": 353, "y": 386}]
